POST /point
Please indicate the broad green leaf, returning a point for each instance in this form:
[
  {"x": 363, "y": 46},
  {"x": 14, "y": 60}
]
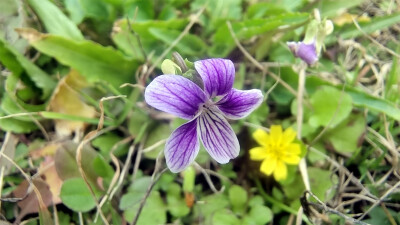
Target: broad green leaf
[
  {"x": 189, "y": 45},
  {"x": 106, "y": 143},
  {"x": 76, "y": 195},
  {"x": 334, "y": 7},
  {"x": 351, "y": 31},
  {"x": 154, "y": 211},
  {"x": 346, "y": 136},
  {"x": 75, "y": 10},
  {"x": 176, "y": 203},
  {"x": 212, "y": 203},
  {"x": 54, "y": 20},
  {"x": 330, "y": 107},
  {"x": 238, "y": 198},
  {"x": 102, "y": 168},
  {"x": 16, "y": 62},
  {"x": 223, "y": 217},
  {"x": 259, "y": 215},
  {"x": 97, "y": 9},
  {"x": 95, "y": 62}
]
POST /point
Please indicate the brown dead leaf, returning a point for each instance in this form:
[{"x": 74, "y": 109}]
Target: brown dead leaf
[
  {"x": 30, "y": 203},
  {"x": 48, "y": 171},
  {"x": 66, "y": 99}
]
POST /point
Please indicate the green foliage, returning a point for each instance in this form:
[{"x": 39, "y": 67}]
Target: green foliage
[
  {"x": 329, "y": 106},
  {"x": 350, "y": 126},
  {"x": 76, "y": 195}
]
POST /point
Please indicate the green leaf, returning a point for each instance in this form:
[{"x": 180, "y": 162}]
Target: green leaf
[
  {"x": 16, "y": 62},
  {"x": 66, "y": 165},
  {"x": 54, "y": 20},
  {"x": 259, "y": 214},
  {"x": 330, "y": 107},
  {"x": 176, "y": 204},
  {"x": 330, "y": 8},
  {"x": 346, "y": 136},
  {"x": 189, "y": 45},
  {"x": 15, "y": 125},
  {"x": 106, "y": 143},
  {"x": 263, "y": 9},
  {"x": 362, "y": 99},
  {"x": 96, "y": 9},
  {"x": 238, "y": 198},
  {"x": 75, "y": 10},
  {"x": 212, "y": 203},
  {"x": 154, "y": 211},
  {"x": 102, "y": 168},
  {"x": 95, "y": 62},
  {"x": 158, "y": 133},
  {"x": 223, "y": 217},
  {"x": 351, "y": 31},
  {"x": 76, "y": 195}
]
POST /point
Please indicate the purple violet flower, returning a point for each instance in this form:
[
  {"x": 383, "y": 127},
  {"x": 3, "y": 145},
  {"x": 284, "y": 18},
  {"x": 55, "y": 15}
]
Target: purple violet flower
[
  {"x": 181, "y": 97},
  {"x": 306, "y": 52}
]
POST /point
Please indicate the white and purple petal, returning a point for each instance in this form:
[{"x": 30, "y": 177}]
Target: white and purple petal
[
  {"x": 238, "y": 104},
  {"x": 182, "y": 146},
  {"x": 217, "y": 135},
  {"x": 176, "y": 95},
  {"x": 217, "y": 74}
]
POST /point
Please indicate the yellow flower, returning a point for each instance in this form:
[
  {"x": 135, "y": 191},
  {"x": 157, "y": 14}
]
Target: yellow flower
[{"x": 277, "y": 149}]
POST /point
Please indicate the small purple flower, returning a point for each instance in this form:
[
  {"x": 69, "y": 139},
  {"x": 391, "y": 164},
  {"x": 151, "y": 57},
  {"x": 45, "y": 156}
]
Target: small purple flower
[
  {"x": 179, "y": 96},
  {"x": 306, "y": 52}
]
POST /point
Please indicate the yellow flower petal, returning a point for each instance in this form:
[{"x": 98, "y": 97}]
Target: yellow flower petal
[
  {"x": 276, "y": 134},
  {"x": 268, "y": 166},
  {"x": 288, "y": 135},
  {"x": 258, "y": 153},
  {"x": 291, "y": 159},
  {"x": 261, "y": 137},
  {"x": 280, "y": 172},
  {"x": 293, "y": 148}
]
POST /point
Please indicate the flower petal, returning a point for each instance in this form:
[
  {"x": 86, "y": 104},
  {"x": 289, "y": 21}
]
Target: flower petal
[
  {"x": 258, "y": 153},
  {"x": 182, "y": 146},
  {"x": 217, "y": 74},
  {"x": 288, "y": 135},
  {"x": 268, "y": 166},
  {"x": 280, "y": 172},
  {"x": 276, "y": 134},
  {"x": 176, "y": 95},
  {"x": 291, "y": 159},
  {"x": 238, "y": 104},
  {"x": 261, "y": 137},
  {"x": 217, "y": 136},
  {"x": 293, "y": 148},
  {"x": 306, "y": 52}
]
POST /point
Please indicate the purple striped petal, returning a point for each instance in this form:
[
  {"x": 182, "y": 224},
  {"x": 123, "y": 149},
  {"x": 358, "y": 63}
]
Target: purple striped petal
[
  {"x": 182, "y": 147},
  {"x": 238, "y": 104},
  {"x": 176, "y": 95},
  {"x": 217, "y": 74},
  {"x": 217, "y": 135}
]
